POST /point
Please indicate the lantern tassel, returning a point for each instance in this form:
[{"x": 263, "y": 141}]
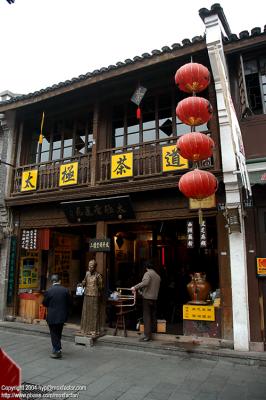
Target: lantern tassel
[
  {"x": 200, "y": 216},
  {"x": 138, "y": 113}
]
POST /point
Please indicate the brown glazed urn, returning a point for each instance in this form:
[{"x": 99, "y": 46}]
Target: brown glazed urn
[{"x": 198, "y": 288}]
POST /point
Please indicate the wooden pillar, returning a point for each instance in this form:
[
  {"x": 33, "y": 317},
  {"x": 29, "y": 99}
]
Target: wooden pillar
[
  {"x": 101, "y": 232},
  {"x": 95, "y": 144},
  {"x": 225, "y": 278}
]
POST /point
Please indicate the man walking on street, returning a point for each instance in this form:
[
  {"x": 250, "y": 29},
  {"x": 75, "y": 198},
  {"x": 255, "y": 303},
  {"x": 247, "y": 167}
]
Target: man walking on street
[
  {"x": 150, "y": 286},
  {"x": 57, "y": 300}
]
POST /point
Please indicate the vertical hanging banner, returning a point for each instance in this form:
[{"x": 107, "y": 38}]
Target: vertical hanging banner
[
  {"x": 29, "y": 239},
  {"x": 203, "y": 234},
  {"x": 12, "y": 269},
  {"x": 190, "y": 235}
]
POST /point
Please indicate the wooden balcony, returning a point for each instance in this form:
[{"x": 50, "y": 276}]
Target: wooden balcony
[{"x": 147, "y": 163}]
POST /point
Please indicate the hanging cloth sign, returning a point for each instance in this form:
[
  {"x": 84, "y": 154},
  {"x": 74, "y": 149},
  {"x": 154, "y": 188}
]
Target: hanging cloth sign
[{"x": 190, "y": 235}]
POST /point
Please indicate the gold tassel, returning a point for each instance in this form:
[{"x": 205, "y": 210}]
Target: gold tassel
[{"x": 41, "y": 135}]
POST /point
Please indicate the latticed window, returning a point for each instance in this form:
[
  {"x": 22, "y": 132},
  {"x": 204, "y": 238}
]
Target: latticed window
[
  {"x": 62, "y": 139},
  {"x": 255, "y": 83},
  {"x": 158, "y": 121}
]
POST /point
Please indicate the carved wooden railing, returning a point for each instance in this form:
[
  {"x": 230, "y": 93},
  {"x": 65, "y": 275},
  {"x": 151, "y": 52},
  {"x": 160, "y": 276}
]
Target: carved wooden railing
[
  {"x": 48, "y": 174},
  {"x": 147, "y": 162}
]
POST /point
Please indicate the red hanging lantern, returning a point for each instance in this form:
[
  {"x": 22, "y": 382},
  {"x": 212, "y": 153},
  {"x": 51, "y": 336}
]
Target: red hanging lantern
[
  {"x": 194, "y": 111},
  {"x": 198, "y": 184},
  {"x": 192, "y": 77},
  {"x": 195, "y": 146}
]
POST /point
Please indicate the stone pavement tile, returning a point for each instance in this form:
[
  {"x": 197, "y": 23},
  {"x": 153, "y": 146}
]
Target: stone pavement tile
[
  {"x": 256, "y": 388},
  {"x": 65, "y": 378},
  {"x": 182, "y": 396},
  {"x": 207, "y": 396},
  {"x": 135, "y": 393},
  {"x": 159, "y": 395},
  {"x": 232, "y": 391},
  {"x": 38, "y": 380},
  {"x": 109, "y": 394},
  {"x": 100, "y": 385},
  {"x": 191, "y": 385},
  {"x": 213, "y": 383}
]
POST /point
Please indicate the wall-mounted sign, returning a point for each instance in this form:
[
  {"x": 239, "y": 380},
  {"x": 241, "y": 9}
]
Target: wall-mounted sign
[
  {"x": 29, "y": 180},
  {"x": 172, "y": 160},
  {"x": 28, "y": 277},
  {"x": 122, "y": 165},
  {"x": 261, "y": 267},
  {"x": 203, "y": 234},
  {"x": 68, "y": 174},
  {"x": 190, "y": 235},
  {"x": 198, "y": 313},
  {"x": 208, "y": 202},
  {"x": 12, "y": 269},
  {"x": 99, "y": 244},
  {"x": 29, "y": 239},
  {"x": 103, "y": 209}
]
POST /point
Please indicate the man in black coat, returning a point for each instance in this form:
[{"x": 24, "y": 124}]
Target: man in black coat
[{"x": 57, "y": 300}]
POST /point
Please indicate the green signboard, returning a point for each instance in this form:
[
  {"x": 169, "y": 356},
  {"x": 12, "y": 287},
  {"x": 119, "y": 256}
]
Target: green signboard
[{"x": 12, "y": 269}]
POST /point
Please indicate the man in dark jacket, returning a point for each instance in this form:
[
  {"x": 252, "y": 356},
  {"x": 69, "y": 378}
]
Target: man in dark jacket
[{"x": 57, "y": 300}]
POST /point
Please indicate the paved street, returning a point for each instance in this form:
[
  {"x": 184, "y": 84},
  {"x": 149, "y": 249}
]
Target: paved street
[{"x": 104, "y": 373}]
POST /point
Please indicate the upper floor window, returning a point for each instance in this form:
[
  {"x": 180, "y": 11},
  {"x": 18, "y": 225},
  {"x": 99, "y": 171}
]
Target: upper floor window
[
  {"x": 62, "y": 139},
  {"x": 255, "y": 77},
  {"x": 158, "y": 121}
]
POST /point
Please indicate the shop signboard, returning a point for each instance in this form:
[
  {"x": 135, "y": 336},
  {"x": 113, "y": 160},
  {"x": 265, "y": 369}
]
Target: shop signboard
[
  {"x": 190, "y": 235},
  {"x": 198, "y": 312},
  {"x": 122, "y": 165},
  {"x": 261, "y": 267},
  {"x": 172, "y": 161},
  {"x": 12, "y": 269},
  {"x": 68, "y": 174},
  {"x": 29, "y": 180},
  {"x": 99, "y": 244}
]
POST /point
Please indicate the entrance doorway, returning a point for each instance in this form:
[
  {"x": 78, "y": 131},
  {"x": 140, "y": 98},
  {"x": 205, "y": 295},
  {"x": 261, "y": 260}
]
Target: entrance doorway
[{"x": 166, "y": 243}]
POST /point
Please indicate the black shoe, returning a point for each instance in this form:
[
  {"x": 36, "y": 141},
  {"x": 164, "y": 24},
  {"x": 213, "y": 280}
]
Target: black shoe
[
  {"x": 56, "y": 355},
  {"x": 145, "y": 339}
]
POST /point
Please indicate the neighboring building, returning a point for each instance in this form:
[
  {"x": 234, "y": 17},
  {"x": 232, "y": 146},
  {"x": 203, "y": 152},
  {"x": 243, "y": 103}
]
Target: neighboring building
[{"x": 103, "y": 171}]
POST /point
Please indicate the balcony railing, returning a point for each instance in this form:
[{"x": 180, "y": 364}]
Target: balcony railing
[{"x": 147, "y": 162}]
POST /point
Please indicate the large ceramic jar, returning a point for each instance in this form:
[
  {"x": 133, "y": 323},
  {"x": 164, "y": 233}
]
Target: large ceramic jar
[{"x": 198, "y": 288}]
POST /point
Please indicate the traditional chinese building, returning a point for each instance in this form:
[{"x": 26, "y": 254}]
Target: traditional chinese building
[{"x": 96, "y": 170}]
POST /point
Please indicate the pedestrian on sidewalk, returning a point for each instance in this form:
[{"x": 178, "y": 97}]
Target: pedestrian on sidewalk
[
  {"x": 57, "y": 299},
  {"x": 149, "y": 286}
]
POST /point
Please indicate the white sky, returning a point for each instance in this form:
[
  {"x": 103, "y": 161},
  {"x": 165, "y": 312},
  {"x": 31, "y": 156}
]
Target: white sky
[{"x": 44, "y": 42}]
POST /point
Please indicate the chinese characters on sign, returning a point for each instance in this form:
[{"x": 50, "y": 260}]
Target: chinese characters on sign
[
  {"x": 261, "y": 267},
  {"x": 122, "y": 165},
  {"x": 68, "y": 174},
  {"x": 99, "y": 209},
  {"x": 29, "y": 180},
  {"x": 29, "y": 239},
  {"x": 203, "y": 234},
  {"x": 190, "y": 235},
  {"x": 172, "y": 160},
  {"x": 99, "y": 244},
  {"x": 12, "y": 268},
  {"x": 200, "y": 313}
]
